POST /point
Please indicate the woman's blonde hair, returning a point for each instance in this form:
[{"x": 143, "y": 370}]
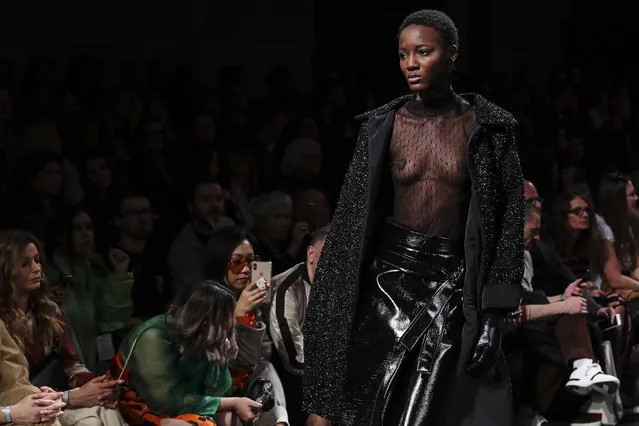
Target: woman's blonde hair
[{"x": 47, "y": 317}]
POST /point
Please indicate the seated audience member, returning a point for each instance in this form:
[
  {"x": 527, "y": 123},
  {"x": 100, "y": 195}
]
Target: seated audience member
[
  {"x": 573, "y": 248},
  {"x": 310, "y": 205},
  {"x": 564, "y": 340},
  {"x": 36, "y": 324},
  {"x": 100, "y": 179},
  {"x": 531, "y": 195},
  {"x": 239, "y": 175},
  {"x": 186, "y": 255},
  {"x": 175, "y": 366},
  {"x": 301, "y": 164},
  {"x": 21, "y": 402},
  {"x": 43, "y": 134},
  {"x": 94, "y": 296},
  {"x": 134, "y": 222},
  {"x": 39, "y": 199},
  {"x": 291, "y": 290},
  {"x": 617, "y": 199},
  {"x": 229, "y": 261},
  {"x": 275, "y": 237}
]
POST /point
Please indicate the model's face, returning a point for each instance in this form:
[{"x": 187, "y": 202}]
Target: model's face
[{"x": 423, "y": 57}]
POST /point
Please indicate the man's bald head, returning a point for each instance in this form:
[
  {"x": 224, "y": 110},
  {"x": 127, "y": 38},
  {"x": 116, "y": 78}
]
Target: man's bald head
[{"x": 531, "y": 195}]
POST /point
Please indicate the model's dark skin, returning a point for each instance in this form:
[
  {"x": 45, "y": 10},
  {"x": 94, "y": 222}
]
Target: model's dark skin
[{"x": 424, "y": 58}]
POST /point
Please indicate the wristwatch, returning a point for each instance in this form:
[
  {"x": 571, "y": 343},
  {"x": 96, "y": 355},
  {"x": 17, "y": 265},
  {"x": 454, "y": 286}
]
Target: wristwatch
[{"x": 6, "y": 412}]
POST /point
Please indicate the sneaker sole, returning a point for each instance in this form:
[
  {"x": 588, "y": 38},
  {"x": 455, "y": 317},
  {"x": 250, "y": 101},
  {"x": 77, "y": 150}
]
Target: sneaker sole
[{"x": 604, "y": 388}]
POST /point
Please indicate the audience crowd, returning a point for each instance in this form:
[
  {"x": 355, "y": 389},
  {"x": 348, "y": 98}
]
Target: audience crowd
[{"x": 133, "y": 216}]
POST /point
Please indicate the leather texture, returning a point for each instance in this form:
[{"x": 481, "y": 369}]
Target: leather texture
[
  {"x": 405, "y": 339},
  {"x": 488, "y": 346}
]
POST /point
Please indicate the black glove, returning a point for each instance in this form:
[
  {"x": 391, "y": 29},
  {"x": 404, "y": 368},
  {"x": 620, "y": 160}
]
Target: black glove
[{"x": 488, "y": 343}]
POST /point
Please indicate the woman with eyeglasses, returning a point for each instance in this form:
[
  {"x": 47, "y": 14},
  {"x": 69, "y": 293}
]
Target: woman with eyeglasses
[
  {"x": 175, "y": 367},
  {"x": 229, "y": 261},
  {"x": 580, "y": 238},
  {"x": 580, "y": 235}
]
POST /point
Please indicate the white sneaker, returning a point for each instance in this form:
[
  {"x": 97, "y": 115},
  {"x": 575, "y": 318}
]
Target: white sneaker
[
  {"x": 587, "y": 375},
  {"x": 539, "y": 420}
]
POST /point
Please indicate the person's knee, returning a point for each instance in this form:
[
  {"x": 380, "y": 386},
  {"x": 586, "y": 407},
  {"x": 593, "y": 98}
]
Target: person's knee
[
  {"x": 224, "y": 418},
  {"x": 173, "y": 422}
]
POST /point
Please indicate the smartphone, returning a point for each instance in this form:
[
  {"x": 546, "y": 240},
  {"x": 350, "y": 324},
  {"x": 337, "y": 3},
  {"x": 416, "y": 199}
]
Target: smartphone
[
  {"x": 615, "y": 324},
  {"x": 261, "y": 274}
]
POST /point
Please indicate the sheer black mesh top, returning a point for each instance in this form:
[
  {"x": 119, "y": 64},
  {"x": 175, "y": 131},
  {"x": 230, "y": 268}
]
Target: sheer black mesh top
[{"x": 428, "y": 154}]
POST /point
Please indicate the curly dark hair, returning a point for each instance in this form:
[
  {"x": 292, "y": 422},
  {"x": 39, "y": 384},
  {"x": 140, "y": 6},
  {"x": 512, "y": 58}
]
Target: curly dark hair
[{"x": 434, "y": 19}]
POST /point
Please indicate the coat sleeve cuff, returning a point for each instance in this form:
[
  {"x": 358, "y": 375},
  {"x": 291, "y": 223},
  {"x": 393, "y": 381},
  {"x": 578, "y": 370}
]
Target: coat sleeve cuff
[{"x": 504, "y": 297}]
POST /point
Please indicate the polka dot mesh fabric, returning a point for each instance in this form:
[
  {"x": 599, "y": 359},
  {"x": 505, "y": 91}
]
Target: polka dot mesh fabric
[{"x": 430, "y": 169}]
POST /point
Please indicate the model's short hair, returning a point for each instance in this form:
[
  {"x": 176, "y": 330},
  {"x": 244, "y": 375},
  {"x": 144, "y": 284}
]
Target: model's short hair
[{"x": 435, "y": 19}]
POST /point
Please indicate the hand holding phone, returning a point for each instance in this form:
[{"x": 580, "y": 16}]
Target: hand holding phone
[
  {"x": 615, "y": 322},
  {"x": 249, "y": 299}
]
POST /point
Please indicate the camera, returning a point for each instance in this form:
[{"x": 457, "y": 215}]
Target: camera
[{"x": 262, "y": 392}]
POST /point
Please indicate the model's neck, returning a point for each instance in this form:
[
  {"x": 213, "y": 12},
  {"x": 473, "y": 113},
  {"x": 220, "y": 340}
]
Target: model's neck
[
  {"x": 437, "y": 93},
  {"x": 441, "y": 104}
]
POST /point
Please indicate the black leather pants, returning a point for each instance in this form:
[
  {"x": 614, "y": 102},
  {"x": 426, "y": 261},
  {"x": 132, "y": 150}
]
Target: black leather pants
[{"x": 406, "y": 333}]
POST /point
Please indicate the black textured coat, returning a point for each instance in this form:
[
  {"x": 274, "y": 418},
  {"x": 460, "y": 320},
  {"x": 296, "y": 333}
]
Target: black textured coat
[{"x": 493, "y": 244}]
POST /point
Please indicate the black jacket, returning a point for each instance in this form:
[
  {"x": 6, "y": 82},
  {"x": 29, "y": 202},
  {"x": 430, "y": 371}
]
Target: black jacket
[{"x": 493, "y": 241}]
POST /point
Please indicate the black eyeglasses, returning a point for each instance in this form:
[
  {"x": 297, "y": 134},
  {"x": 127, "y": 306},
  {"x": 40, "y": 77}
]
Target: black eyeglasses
[
  {"x": 533, "y": 200},
  {"x": 579, "y": 211}
]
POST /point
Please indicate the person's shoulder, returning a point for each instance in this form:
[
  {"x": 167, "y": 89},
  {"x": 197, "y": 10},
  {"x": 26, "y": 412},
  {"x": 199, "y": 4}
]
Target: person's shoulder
[
  {"x": 294, "y": 272},
  {"x": 154, "y": 328},
  {"x": 489, "y": 114},
  {"x": 387, "y": 107}
]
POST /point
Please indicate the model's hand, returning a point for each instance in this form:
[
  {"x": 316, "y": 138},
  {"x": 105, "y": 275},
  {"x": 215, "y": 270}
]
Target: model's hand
[{"x": 488, "y": 343}]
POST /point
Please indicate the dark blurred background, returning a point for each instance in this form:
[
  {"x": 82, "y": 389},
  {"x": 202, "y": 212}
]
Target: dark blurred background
[
  {"x": 309, "y": 36},
  {"x": 148, "y": 126}
]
